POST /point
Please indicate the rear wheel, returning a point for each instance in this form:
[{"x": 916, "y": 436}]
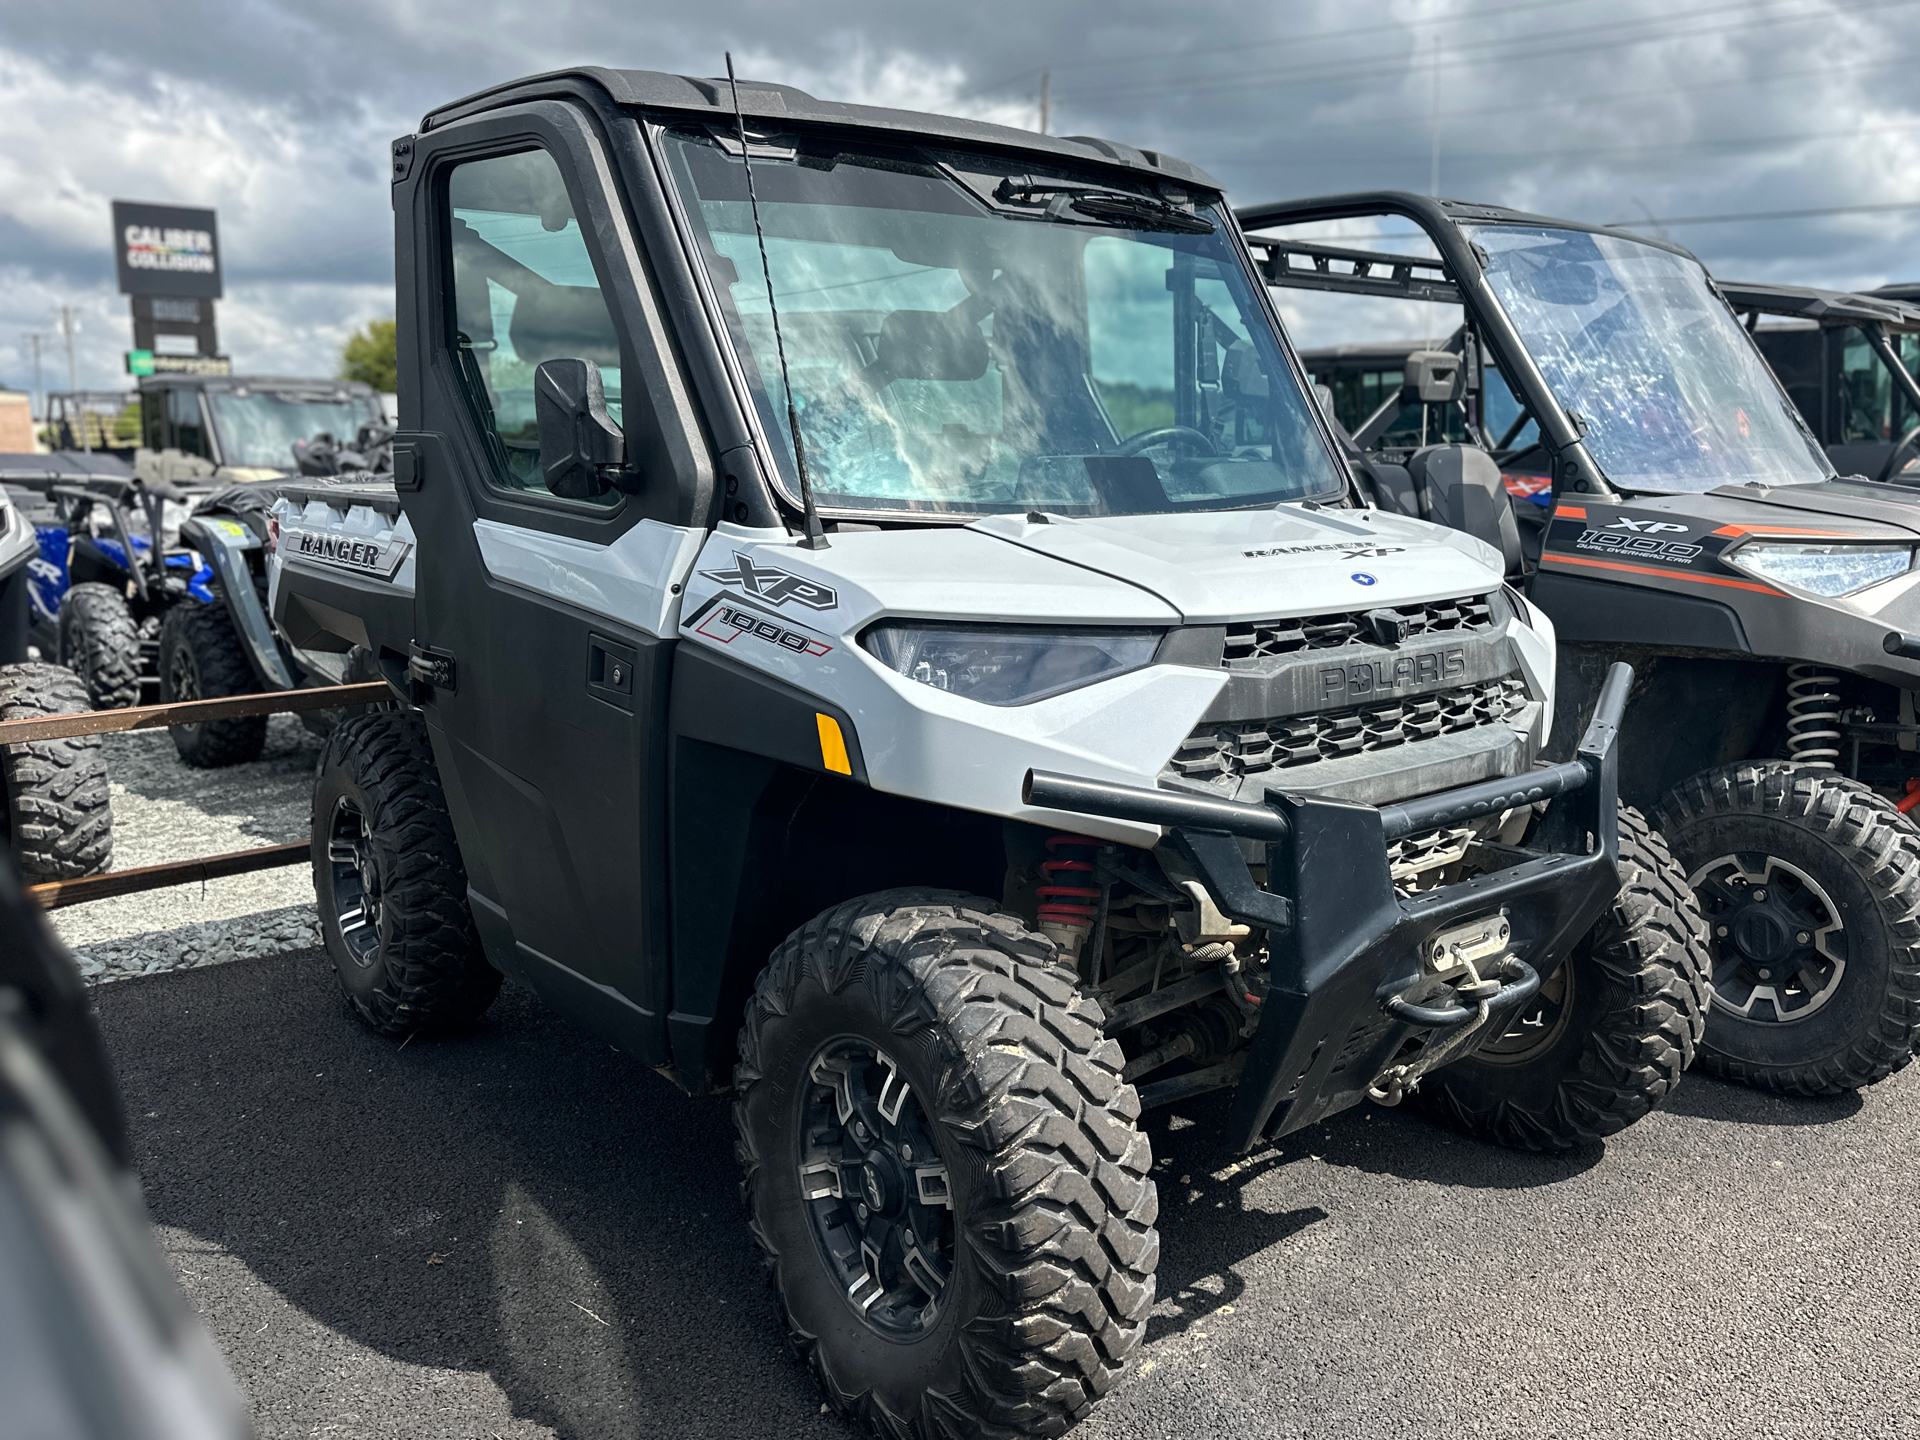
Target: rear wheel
[
  {"x": 1605, "y": 1038},
  {"x": 391, "y": 888},
  {"x": 1810, "y": 884},
  {"x": 201, "y": 658},
  {"x": 58, "y": 815},
  {"x": 943, "y": 1169},
  {"x": 100, "y": 643}
]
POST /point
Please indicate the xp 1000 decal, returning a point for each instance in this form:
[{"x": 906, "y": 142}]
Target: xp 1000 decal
[{"x": 1613, "y": 542}]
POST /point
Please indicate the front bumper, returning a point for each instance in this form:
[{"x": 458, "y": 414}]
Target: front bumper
[{"x": 1342, "y": 943}]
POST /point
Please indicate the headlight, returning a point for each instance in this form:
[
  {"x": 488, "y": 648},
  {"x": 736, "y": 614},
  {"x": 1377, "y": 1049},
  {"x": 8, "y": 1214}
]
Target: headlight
[
  {"x": 1829, "y": 570},
  {"x": 1005, "y": 665}
]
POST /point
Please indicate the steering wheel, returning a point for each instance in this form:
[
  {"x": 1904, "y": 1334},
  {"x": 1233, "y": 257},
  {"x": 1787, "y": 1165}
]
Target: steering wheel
[
  {"x": 1887, "y": 470},
  {"x": 1165, "y": 434}
]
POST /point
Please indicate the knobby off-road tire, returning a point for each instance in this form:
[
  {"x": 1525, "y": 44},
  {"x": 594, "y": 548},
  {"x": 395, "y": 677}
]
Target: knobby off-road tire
[
  {"x": 1049, "y": 1247},
  {"x": 201, "y": 658},
  {"x": 1607, "y": 1036},
  {"x": 58, "y": 814},
  {"x": 1862, "y": 858},
  {"x": 100, "y": 643},
  {"x": 391, "y": 888}
]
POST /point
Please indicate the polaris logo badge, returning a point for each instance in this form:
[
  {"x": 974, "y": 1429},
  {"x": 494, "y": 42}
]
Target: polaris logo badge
[
  {"x": 775, "y": 586},
  {"x": 1360, "y": 577},
  {"x": 346, "y": 552},
  {"x": 1383, "y": 677}
]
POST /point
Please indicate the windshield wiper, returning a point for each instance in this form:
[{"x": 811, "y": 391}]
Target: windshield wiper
[{"x": 1115, "y": 207}]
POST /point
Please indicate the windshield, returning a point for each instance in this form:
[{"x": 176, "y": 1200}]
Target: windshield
[
  {"x": 954, "y": 352},
  {"x": 1671, "y": 391},
  {"x": 258, "y": 427}
]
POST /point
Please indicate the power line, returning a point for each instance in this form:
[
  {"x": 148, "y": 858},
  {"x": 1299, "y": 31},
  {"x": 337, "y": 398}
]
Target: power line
[
  {"x": 1314, "y": 76},
  {"x": 1288, "y": 40},
  {"x": 1755, "y": 142},
  {"x": 1613, "y": 97},
  {"x": 1810, "y": 214}
]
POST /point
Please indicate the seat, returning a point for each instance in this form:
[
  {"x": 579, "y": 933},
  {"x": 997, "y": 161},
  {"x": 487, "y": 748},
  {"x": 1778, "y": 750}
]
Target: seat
[{"x": 1461, "y": 488}]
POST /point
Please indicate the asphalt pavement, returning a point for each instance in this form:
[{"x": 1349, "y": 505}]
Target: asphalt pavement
[{"x": 521, "y": 1232}]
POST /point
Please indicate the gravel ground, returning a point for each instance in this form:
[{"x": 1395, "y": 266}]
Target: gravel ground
[
  {"x": 519, "y": 1232},
  {"x": 165, "y": 810}
]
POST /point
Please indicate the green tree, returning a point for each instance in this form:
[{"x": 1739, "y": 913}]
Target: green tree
[{"x": 370, "y": 355}]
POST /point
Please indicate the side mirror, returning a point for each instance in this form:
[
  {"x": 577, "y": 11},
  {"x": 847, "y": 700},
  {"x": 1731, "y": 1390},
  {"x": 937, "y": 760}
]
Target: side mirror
[
  {"x": 1436, "y": 377},
  {"x": 578, "y": 438}
]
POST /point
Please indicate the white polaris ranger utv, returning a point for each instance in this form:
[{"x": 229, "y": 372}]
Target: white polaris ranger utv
[{"x": 949, "y": 689}]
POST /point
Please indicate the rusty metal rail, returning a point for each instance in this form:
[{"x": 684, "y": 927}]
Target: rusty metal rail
[
  {"x": 191, "y": 712},
  {"x": 54, "y": 894}
]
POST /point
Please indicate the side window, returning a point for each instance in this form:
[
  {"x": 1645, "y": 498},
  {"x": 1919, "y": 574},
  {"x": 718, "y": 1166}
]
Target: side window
[
  {"x": 524, "y": 291},
  {"x": 183, "y": 409}
]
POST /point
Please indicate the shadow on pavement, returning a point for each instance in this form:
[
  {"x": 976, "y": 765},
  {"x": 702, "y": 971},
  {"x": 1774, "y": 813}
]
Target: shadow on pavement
[
  {"x": 1380, "y": 1141},
  {"x": 522, "y": 1200},
  {"x": 1701, "y": 1097}
]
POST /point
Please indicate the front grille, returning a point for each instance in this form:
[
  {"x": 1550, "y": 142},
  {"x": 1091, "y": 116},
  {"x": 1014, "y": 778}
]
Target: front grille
[
  {"x": 1250, "y": 642},
  {"x": 1231, "y": 748}
]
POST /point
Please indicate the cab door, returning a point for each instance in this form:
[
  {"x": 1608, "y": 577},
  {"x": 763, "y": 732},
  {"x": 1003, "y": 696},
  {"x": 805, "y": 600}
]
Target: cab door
[{"x": 542, "y": 626}]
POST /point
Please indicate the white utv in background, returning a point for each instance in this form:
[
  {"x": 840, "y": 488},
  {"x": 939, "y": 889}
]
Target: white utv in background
[{"x": 1066, "y": 731}]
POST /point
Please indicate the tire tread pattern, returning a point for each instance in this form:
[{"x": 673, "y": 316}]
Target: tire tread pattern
[
  {"x": 1033, "y": 1086},
  {"x": 206, "y": 630},
  {"x": 100, "y": 643},
  {"x": 436, "y": 976},
  {"x": 59, "y": 808},
  {"x": 1855, "y": 818},
  {"x": 1649, "y": 952}
]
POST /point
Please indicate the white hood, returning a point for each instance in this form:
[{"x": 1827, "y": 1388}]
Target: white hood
[{"x": 1218, "y": 566}]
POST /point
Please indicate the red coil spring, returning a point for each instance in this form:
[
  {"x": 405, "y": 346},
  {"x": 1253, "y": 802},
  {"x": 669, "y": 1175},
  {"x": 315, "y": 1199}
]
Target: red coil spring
[{"x": 1068, "y": 904}]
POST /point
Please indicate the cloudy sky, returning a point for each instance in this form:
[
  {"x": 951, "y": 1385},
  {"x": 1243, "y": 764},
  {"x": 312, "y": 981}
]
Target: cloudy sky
[{"x": 1655, "y": 112}]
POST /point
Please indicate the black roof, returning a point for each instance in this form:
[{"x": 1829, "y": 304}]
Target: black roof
[
  {"x": 653, "y": 90},
  {"x": 63, "y": 465},
  {"x": 1804, "y": 302},
  {"x": 1406, "y": 202},
  {"x": 257, "y": 382}
]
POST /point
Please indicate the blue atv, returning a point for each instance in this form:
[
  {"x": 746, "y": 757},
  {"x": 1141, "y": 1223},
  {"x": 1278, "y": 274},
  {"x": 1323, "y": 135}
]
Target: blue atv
[
  {"x": 55, "y": 812},
  {"x": 145, "y": 589}
]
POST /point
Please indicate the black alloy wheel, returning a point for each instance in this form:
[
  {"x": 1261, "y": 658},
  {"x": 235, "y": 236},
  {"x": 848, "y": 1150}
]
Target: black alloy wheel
[
  {"x": 1779, "y": 940},
  {"x": 1810, "y": 885},
  {"x": 877, "y": 1188}
]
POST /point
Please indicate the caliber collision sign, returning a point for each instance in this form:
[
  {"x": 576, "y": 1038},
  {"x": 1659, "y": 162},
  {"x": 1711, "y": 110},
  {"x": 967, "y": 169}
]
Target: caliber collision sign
[{"x": 166, "y": 250}]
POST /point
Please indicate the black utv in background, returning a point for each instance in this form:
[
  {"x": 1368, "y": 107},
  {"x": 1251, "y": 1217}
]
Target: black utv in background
[
  {"x": 1700, "y": 531},
  {"x": 1848, "y": 362}
]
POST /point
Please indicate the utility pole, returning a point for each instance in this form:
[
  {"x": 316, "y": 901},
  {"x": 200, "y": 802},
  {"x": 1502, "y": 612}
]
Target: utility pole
[
  {"x": 34, "y": 339},
  {"x": 1433, "y": 121},
  {"x": 68, "y": 324},
  {"x": 1045, "y": 77}
]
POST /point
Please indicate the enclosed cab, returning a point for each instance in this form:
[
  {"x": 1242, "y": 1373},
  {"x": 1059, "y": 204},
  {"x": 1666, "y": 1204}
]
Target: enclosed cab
[
  {"x": 1848, "y": 361},
  {"x": 224, "y": 428},
  {"x": 875, "y": 622}
]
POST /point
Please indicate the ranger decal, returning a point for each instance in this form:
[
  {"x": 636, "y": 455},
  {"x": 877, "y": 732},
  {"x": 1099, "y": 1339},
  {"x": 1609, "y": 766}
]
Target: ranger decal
[{"x": 346, "y": 552}]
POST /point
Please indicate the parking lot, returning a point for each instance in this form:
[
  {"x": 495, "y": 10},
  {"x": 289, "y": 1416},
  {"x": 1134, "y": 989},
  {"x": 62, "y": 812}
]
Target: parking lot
[{"x": 521, "y": 1232}]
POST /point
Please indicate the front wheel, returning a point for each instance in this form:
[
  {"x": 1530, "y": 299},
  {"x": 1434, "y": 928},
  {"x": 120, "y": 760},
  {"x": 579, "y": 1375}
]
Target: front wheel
[
  {"x": 100, "y": 643},
  {"x": 201, "y": 658},
  {"x": 1810, "y": 884},
  {"x": 1608, "y": 1033},
  {"x": 943, "y": 1169}
]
